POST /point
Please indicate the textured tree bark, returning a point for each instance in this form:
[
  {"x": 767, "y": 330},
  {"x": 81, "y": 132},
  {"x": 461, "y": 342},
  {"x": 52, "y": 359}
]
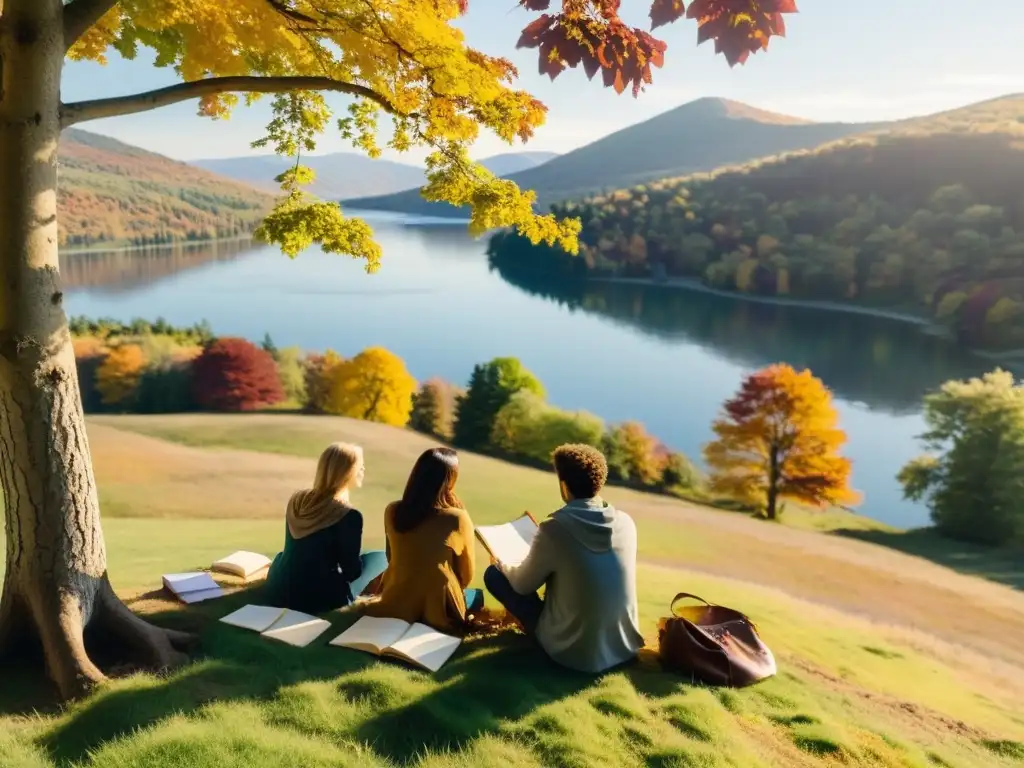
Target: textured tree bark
[{"x": 56, "y": 569}]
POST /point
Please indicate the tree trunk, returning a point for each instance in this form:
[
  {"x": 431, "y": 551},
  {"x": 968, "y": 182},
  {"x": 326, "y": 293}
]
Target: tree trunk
[
  {"x": 771, "y": 508},
  {"x": 56, "y": 569}
]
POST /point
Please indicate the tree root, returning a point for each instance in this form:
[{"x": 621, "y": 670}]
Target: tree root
[{"x": 162, "y": 649}]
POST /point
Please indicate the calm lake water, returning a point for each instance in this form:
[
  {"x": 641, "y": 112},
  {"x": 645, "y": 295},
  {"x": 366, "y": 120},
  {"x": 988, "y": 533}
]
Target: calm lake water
[{"x": 662, "y": 356}]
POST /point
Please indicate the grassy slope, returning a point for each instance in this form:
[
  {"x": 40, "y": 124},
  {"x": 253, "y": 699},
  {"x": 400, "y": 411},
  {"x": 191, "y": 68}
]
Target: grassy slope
[
  {"x": 885, "y": 659},
  {"x": 113, "y": 192},
  {"x": 697, "y": 136}
]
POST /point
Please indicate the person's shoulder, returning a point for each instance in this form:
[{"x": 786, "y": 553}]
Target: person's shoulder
[{"x": 353, "y": 516}]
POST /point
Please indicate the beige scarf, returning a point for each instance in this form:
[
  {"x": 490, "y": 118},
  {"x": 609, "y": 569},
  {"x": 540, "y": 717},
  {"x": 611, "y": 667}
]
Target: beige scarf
[{"x": 306, "y": 515}]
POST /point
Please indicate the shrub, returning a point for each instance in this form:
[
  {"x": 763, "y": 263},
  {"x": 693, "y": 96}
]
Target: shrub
[
  {"x": 89, "y": 354},
  {"x": 235, "y": 375},
  {"x": 118, "y": 375},
  {"x": 292, "y": 373},
  {"x": 678, "y": 471},
  {"x": 166, "y": 389},
  {"x": 374, "y": 386},
  {"x": 530, "y": 428}
]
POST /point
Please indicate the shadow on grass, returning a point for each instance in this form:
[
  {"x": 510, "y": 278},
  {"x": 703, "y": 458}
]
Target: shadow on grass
[
  {"x": 401, "y": 712},
  {"x": 1005, "y": 566}
]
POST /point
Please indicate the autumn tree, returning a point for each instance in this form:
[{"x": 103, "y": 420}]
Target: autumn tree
[
  {"x": 433, "y": 407},
  {"x": 292, "y": 373},
  {"x": 632, "y": 454},
  {"x": 972, "y": 477},
  {"x": 530, "y": 428},
  {"x": 406, "y": 59},
  {"x": 491, "y": 386},
  {"x": 235, "y": 375},
  {"x": 118, "y": 375},
  {"x": 318, "y": 373},
  {"x": 374, "y": 386},
  {"x": 778, "y": 439}
]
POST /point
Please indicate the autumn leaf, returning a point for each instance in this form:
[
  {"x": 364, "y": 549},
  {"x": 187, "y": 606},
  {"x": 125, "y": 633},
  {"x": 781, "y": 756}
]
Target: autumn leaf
[{"x": 666, "y": 11}]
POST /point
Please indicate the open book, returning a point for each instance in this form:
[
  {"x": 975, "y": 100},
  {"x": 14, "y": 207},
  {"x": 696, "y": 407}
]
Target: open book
[
  {"x": 415, "y": 643},
  {"x": 292, "y": 627},
  {"x": 509, "y": 543},
  {"x": 247, "y": 566},
  {"x": 192, "y": 587}
]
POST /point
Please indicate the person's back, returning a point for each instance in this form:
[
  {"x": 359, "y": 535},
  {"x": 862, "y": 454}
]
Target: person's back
[
  {"x": 585, "y": 553},
  {"x": 590, "y": 618},
  {"x": 429, "y": 566}
]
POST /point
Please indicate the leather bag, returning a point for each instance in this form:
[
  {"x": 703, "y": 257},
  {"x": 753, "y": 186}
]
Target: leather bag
[{"x": 713, "y": 644}]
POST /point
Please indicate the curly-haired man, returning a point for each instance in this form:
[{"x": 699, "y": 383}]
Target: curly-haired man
[{"x": 585, "y": 555}]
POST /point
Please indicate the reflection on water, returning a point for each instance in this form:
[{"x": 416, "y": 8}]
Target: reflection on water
[
  {"x": 124, "y": 270},
  {"x": 886, "y": 364},
  {"x": 662, "y": 356}
]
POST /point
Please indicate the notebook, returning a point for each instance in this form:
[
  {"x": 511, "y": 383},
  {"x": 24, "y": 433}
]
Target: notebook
[
  {"x": 247, "y": 566},
  {"x": 417, "y": 644},
  {"x": 292, "y": 627},
  {"x": 509, "y": 543},
  {"x": 192, "y": 587}
]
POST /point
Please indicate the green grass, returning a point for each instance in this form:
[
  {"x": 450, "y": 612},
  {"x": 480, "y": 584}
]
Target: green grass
[
  {"x": 892, "y": 691},
  {"x": 250, "y": 701}
]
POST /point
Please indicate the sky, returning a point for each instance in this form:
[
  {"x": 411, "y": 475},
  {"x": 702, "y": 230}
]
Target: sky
[{"x": 858, "y": 60}]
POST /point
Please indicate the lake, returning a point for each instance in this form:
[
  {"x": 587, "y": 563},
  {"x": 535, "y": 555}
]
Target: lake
[{"x": 663, "y": 356}]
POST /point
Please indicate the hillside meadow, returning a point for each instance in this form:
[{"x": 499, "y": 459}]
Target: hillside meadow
[{"x": 885, "y": 659}]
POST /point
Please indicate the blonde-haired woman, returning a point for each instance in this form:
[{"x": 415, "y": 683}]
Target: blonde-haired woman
[{"x": 320, "y": 568}]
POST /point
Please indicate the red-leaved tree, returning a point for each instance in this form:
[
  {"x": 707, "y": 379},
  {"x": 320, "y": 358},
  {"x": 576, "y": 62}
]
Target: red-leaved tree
[{"x": 235, "y": 375}]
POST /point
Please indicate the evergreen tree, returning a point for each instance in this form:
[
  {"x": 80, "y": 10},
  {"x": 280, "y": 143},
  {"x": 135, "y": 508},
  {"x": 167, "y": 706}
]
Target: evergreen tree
[{"x": 491, "y": 386}]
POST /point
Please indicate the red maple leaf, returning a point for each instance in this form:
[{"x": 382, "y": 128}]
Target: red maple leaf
[
  {"x": 535, "y": 5},
  {"x": 666, "y": 11}
]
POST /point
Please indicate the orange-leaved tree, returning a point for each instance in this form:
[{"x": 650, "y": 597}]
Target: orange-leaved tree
[
  {"x": 777, "y": 439},
  {"x": 374, "y": 386},
  {"x": 119, "y": 374},
  {"x": 406, "y": 59}
]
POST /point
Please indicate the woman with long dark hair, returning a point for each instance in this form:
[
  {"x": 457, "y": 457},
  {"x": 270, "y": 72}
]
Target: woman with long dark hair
[{"x": 430, "y": 547}]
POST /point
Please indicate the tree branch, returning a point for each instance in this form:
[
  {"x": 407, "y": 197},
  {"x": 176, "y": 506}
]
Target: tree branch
[
  {"x": 81, "y": 111},
  {"x": 81, "y": 15}
]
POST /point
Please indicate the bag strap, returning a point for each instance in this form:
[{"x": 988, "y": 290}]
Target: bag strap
[{"x": 684, "y": 596}]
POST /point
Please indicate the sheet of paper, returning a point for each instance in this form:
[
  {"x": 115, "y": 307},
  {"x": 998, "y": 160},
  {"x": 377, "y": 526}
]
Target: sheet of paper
[
  {"x": 254, "y": 617},
  {"x": 298, "y": 629},
  {"x": 509, "y": 542},
  {"x": 373, "y": 632},
  {"x": 426, "y": 646},
  {"x": 242, "y": 563},
  {"x": 194, "y": 581},
  {"x": 199, "y": 595}
]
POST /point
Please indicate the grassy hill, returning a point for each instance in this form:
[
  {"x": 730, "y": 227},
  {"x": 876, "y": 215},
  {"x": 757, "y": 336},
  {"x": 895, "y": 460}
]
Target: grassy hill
[
  {"x": 881, "y": 661},
  {"x": 697, "y": 136},
  {"x": 114, "y": 194},
  {"x": 925, "y": 216},
  {"x": 342, "y": 175}
]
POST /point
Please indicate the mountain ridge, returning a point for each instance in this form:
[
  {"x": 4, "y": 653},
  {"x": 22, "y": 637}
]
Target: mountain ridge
[
  {"x": 111, "y": 193},
  {"x": 718, "y": 132},
  {"x": 340, "y": 175}
]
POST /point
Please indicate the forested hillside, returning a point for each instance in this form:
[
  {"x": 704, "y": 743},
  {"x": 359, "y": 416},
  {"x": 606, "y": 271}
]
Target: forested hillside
[
  {"x": 927, "y": 216},
  {"x": 698, "y": 136},
  {"x": 115, "y": 194}
]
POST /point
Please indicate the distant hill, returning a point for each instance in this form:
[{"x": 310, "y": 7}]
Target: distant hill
[
  {"x": 342, "y": 175},
  {"x": 111, "y": 193},
  {"x": 699, "y": 136},
  {"x": 924, "y": 217}
]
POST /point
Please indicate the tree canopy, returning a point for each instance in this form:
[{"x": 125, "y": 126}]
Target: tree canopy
[{"x": 402, "y": 58}]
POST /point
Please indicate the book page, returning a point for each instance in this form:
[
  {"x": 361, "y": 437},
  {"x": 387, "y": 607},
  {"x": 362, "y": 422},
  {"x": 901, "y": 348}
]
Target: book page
[
  {"x": 509, "y": 542},
  {"x": 254, "y": 617},
  {"x": 425, "y": 646},
  {"x": 242, "y": 563},
  {"x": 371, "y": 634},
  {"x": 296, "y": 628},
  {"x": 199, "y": 595},
  {"x": 194, "y": 581}
]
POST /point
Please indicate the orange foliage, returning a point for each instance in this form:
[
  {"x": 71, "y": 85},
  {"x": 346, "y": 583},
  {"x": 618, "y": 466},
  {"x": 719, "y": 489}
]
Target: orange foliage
[
  {"x": 779, "y": 439},
  {"x": 119, "y": 374}
]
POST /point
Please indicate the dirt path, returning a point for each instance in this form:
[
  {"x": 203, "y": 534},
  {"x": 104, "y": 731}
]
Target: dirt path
[{"x": 855, "y": 577}]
